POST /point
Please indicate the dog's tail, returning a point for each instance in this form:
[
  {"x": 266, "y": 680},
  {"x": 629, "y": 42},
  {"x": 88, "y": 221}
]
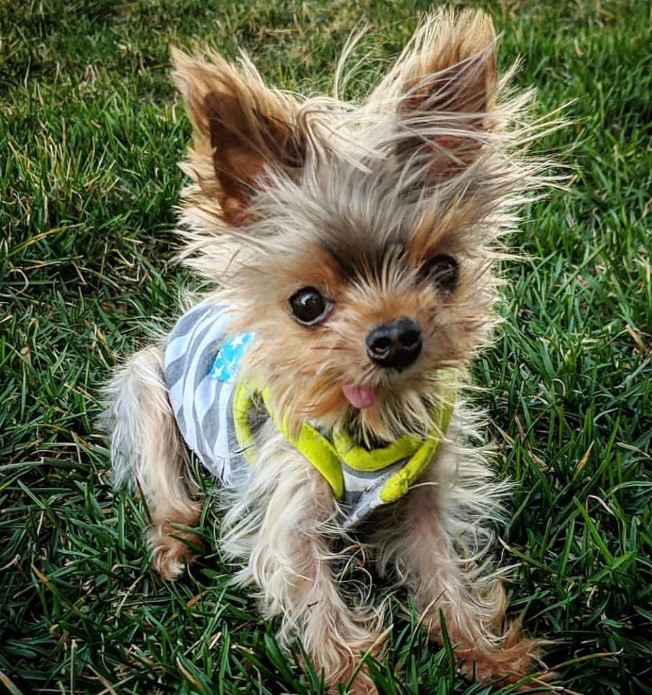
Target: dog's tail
[{"x": 147, "y": 449}]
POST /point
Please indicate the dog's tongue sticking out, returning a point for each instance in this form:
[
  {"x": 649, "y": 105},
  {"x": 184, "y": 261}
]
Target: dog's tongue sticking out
[{"x": 359, "y": 396}]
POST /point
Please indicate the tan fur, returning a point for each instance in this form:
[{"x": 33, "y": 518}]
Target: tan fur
[
  {"x": 444, "y": 582},
  {"x": 354, "y": 200},
  {"x": 279, "y": 523},
  {"x": 145, "y": 444}
]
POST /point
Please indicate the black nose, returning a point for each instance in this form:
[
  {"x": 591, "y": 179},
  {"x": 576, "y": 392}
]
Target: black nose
[{"x": 394, "y": 345}]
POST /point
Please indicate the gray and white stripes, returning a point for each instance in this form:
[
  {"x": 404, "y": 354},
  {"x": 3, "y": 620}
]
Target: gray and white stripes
[{"x": 202, "y": 403}]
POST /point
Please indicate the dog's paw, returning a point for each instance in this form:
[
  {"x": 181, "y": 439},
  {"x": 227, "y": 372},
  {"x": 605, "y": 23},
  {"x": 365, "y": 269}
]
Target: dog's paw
[
  {"x": 172, "y": 551},
  {"x": 511, "y": 662}
]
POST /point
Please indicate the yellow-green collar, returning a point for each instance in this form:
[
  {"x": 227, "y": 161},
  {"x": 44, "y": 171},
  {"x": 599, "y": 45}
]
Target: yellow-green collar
[{"x": 328, "y": 455}]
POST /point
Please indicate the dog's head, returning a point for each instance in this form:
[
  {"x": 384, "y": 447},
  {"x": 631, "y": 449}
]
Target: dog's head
[{"x": 357, "y": 240}]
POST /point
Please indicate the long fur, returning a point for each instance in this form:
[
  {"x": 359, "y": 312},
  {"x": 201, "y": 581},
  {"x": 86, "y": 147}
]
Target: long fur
[{"x": 354, "y": 199}]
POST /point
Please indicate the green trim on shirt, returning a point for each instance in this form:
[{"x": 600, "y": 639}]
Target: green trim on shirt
[{"x": 327, "y": 456}]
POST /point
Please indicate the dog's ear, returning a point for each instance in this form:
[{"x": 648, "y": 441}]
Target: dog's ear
[
  {"x": 443, "y": 90},
  {"x": 240, "y": 127}
]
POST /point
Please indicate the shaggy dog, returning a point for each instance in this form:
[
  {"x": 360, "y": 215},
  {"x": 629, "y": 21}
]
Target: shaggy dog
[{"x": 349, "y": 247}]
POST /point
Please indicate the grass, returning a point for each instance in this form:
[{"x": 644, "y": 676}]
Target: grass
[{"x": 90, "y": 135}]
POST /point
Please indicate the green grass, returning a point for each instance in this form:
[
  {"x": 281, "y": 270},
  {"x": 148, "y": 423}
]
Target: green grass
[{"x": 90, "y": 135}]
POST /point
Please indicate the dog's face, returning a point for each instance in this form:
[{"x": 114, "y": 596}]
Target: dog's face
[{"x": 356, "y": 241}]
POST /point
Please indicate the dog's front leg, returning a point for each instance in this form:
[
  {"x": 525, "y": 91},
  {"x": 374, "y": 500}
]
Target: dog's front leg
[
  {"x": 447, "y": 584},
  {"x": 280, "y": 524}
]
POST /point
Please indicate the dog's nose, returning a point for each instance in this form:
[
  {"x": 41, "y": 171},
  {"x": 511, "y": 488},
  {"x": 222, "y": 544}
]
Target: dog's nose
[{"x": 394, "y": 345}]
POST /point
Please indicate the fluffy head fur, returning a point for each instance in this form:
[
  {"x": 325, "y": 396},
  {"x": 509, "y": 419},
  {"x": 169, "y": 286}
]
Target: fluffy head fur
[{"x": 355, "y": 200}]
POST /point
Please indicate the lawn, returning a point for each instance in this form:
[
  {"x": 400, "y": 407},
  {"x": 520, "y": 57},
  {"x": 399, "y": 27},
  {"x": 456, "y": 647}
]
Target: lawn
[{"x": 90, "y": 133}]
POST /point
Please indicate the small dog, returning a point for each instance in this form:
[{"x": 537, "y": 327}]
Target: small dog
[{"x": 350, "y": 248}]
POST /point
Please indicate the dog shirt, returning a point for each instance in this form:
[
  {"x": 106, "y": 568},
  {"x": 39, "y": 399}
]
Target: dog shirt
[{"x": 218, "y": 415}]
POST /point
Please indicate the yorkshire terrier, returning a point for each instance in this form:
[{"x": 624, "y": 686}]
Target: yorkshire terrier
[{"x": 349, "y": 247}]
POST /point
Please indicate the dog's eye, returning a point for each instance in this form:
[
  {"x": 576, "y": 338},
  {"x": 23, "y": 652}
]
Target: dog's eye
[
  {"x": 309, "y": 306},
  {"x": 442, "y": 271}
]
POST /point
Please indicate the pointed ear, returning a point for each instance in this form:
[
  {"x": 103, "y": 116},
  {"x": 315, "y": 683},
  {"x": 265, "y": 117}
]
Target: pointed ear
[
  {"x": 240, "y": 128},
  {"x": 443, "y": 88}
]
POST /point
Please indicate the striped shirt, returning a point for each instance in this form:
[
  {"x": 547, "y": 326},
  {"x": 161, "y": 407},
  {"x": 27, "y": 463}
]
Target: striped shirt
[{"x": 201, "y": 368}]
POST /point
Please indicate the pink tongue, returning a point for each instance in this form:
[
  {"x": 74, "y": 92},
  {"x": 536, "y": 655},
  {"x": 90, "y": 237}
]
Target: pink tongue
[{"x": 359, "y": 396}]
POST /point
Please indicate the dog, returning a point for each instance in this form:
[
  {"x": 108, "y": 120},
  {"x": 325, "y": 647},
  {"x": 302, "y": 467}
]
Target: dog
[{"x": 350, "y": 251}]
